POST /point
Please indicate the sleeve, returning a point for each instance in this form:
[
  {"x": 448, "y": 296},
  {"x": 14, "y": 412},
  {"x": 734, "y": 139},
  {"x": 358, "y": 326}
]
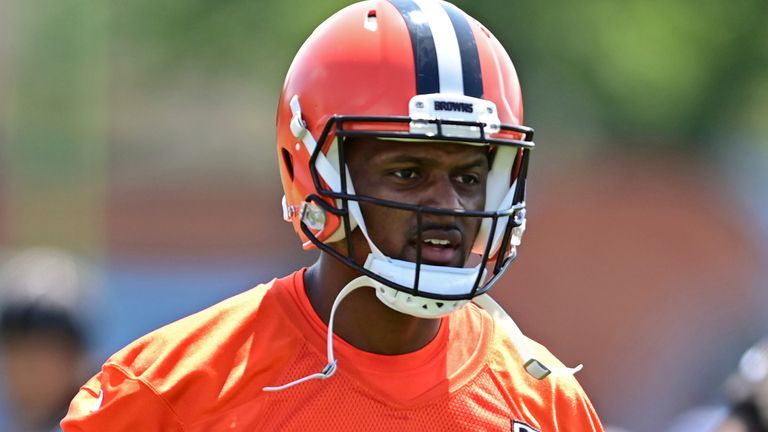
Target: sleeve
[{"x": 115, "y": 401}]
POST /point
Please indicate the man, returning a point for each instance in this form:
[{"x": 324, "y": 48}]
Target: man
[
  {"x": 403, "y": 159},
  {"x": 43, "y": 337}
]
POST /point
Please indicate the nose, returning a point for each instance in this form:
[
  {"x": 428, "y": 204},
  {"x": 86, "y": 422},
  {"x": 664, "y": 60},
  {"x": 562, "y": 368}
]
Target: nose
[{"x": 441, "y": 192}]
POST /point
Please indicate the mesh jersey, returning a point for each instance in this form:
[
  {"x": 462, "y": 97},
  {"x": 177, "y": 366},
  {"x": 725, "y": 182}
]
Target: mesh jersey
[{"x": 206, "y": 373}]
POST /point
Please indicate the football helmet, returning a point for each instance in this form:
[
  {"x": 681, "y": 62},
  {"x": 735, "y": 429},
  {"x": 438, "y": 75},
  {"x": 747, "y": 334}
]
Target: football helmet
[
  {"x": 419, "y": 70},
  {"x": 403, "y": 69}
]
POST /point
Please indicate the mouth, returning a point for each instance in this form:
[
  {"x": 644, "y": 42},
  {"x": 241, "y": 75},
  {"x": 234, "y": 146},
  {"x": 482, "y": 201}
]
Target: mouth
[{"x": 440, "y": 247}]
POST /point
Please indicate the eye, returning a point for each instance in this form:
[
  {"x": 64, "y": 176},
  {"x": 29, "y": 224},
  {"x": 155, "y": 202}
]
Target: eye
[
  {"x": 405, "y": 173},
  {"x": 468, "y": 179}
]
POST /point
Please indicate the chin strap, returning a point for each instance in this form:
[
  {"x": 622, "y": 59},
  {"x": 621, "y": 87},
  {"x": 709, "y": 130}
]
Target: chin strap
[
  {"x": 329, "y": 368},
  {"x": 533, "y": 366}
]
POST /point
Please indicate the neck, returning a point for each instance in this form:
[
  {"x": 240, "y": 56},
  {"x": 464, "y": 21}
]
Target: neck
[{"x": 361, "y": 319}]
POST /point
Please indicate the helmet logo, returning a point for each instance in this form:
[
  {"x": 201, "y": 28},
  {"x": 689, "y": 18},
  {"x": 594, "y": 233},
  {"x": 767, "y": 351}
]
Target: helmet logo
[{"x": 454, "y": 106}]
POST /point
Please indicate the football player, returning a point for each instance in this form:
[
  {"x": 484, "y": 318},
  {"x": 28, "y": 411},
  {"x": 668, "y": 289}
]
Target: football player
[{"x": 403, "y": 158}]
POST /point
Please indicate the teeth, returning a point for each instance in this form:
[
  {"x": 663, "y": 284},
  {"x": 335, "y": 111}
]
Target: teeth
[{"x": 437, "y": 242}]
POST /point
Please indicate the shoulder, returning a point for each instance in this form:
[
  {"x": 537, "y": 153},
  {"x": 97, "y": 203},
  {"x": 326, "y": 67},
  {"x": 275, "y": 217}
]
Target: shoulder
[
  {"x": 557, "y": 400},
  {"x": 204, "y": 333},
  {"x": 203, "y": 363},
  {"x": 213, "y": 354}
]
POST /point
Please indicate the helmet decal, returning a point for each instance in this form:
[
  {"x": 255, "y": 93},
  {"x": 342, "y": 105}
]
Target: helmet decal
[
  {"x": 470, "y": 58},
  {"x": 444, "y": 48}
]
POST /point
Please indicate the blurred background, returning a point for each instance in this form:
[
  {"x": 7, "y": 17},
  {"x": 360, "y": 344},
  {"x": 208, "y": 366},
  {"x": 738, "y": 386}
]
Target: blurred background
[{"x": 139, "y": 136}]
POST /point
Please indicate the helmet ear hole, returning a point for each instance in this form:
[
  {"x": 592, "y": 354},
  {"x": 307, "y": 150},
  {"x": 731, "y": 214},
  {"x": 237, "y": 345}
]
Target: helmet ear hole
[{"x": 288, "y": 162}]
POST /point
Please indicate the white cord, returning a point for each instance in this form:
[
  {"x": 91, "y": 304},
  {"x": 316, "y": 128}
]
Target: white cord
[{"x": 329, "y": 368}]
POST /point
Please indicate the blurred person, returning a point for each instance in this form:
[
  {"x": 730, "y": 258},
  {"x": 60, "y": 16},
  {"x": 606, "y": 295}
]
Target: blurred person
[
  {"x": 43, "y": 339},
  {"x": 746, "y": 406},
  {"x": 747, "y": 391},
  {"x": 421, "y": 106}
]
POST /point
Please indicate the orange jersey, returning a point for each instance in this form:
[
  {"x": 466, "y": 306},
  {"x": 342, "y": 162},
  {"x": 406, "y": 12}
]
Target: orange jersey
[{"x": 206, "y": 373}]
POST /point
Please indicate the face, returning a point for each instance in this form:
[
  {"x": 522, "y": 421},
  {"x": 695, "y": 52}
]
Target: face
[
  {"x": 427, "y": 173},
  {"x": 42, "y": 371}
]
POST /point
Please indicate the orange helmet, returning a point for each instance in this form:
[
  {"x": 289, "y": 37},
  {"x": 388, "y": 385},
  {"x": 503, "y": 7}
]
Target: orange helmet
[{"x": 404, "y": 69}]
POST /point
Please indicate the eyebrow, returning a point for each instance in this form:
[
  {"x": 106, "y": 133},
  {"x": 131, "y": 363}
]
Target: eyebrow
[{"x": 480, "y": 161}]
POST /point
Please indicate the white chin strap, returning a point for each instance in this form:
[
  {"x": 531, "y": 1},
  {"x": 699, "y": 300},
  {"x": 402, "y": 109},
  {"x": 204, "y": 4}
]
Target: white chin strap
[
  {"x": 533, "y": 366},
  {"x": 432, "y": 279}
]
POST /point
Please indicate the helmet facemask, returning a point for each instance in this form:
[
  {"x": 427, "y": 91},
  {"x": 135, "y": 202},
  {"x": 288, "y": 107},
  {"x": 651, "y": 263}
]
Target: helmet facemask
[{"x": 417, "y": 288}]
